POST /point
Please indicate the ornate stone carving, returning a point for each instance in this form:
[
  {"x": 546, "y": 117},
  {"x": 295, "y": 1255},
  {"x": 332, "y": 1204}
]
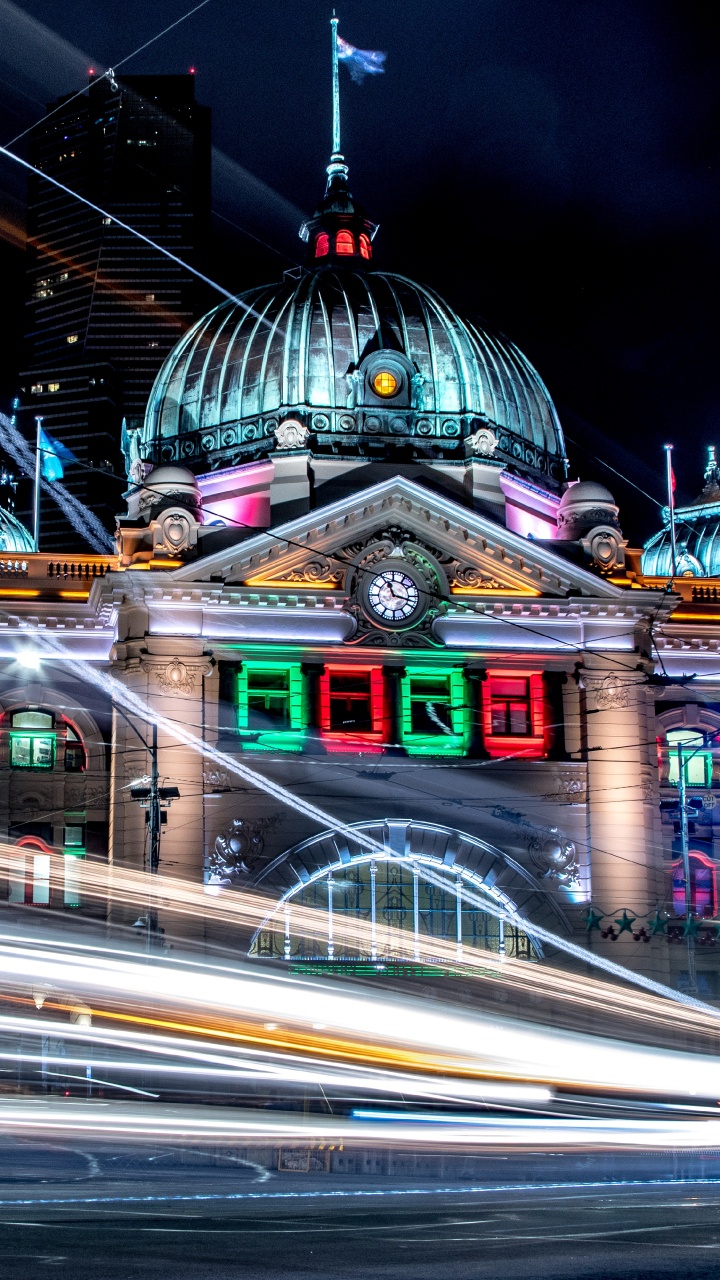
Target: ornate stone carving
[
  {"x": 216, "y": 778},
  {"x": 176, "y": 677},
  {"x": 174, "y": 531},
  {"x": 554, "y": 856},
  {"x": 468, "y": 575},
  {"x": 483, "y": 442},
  {"x": 291, "y": 434},
  {"x": 610, "y": 694},
  {"x": 237, "y": 848},
  {"x": 551, "y": 852}
]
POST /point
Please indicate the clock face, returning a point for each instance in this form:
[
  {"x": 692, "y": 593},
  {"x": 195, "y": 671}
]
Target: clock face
[{"x": 393, "y": 596}]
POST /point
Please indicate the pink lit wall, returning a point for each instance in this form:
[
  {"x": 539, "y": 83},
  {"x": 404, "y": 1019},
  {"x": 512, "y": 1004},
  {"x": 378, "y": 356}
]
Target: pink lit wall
[
  {"x": 529, "y": 510},
  {"x": 238, "y": 496}
]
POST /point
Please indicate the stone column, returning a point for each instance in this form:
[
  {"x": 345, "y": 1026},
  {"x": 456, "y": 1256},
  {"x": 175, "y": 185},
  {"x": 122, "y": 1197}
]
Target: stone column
[
  {"x": 623, "y": 804},
  {"x": 168, "y": 674}
]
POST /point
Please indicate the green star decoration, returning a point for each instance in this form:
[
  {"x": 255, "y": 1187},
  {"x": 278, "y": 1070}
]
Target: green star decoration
[
  {"x": 591, "y": 919},
  {"x": 692, "y": 927},
  {"x": 625, "y": 923},
  {"x": 657, "y": 924}
]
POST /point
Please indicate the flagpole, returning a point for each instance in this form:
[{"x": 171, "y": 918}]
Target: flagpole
[
  {"x": 38, "y": 456},
  {"x": 335, "y": 86},
  {"x": 671, "y": 509}
]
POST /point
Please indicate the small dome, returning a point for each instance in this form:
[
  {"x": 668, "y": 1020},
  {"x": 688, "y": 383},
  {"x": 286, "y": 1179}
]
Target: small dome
[
  {"x": 162, "y": 487},
  {"x": 586, "y": 491},
  {"x": 370, "y": 363},
  {"x": 15, "y": 539}
]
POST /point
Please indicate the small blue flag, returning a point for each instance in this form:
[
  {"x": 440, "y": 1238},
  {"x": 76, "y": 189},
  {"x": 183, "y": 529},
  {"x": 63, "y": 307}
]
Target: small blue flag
[
  {"x": 53, "y": 454},
  {"x": 360, "y": 62}
]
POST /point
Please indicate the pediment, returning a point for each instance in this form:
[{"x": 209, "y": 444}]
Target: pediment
[{"x": 478, "y": 556}]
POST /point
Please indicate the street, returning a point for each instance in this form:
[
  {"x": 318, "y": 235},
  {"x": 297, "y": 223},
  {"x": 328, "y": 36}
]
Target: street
[{"x": 92, "y": 1213}]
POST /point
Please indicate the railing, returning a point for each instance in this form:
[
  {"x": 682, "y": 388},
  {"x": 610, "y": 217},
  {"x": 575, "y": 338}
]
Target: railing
[
  {"x": 13, "y": 568},
  {"x": 68, "y": 569},
  {"x": 711, "y": 594}
]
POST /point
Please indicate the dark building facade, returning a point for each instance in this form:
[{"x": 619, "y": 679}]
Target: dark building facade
[{"x": 103, "y": 307}]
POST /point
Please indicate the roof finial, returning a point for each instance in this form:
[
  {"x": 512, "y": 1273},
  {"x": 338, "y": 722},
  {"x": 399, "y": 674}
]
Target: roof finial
[
  {"x": 712, "y": 472},
  {"x": 337, "y": 166}
]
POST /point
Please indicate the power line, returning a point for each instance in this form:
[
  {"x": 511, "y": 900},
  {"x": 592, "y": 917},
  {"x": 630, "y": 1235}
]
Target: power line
[{"x": 109, "y": 74}]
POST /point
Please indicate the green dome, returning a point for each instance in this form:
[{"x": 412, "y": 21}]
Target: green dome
[
  {"x": 15, "y": 540},
  {"x": 311, "y": 348}
]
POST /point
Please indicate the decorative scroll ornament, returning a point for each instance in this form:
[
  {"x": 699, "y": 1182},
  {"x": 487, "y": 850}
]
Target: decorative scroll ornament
[
  {"x": 177, "y": 678},
  {"x": 483, "y": 442},
  {"x": 612, "y": 694},
  {"x": 555, "y": 857},
  {"x": 291, "y": 434},
  {"x": 235, "y": 850}
]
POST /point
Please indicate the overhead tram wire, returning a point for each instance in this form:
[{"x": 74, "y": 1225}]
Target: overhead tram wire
[
  {"x": 108, "y": 73},
  {"x": 231, "y": 297}
]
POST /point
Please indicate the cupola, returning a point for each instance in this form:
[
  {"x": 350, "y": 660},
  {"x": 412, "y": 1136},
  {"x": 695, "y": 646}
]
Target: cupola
[{"x": 338, "y": 234}]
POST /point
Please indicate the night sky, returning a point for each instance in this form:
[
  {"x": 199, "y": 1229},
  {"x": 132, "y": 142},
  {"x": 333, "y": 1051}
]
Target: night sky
[{"x": 550, "y": 166}]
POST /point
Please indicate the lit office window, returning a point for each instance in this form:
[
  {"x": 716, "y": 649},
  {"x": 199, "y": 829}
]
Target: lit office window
[{"x": 32, "y": 740}]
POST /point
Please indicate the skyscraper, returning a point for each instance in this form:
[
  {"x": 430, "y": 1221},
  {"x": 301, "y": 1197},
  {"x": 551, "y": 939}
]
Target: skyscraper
[{"x": 104, "y": 307}]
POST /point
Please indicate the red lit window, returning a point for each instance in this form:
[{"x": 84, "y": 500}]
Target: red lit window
[
  {"x": 703, "y": 887},
  {"x": 344, "y": 242},
  {"x": 365, "y": 246},
  {"x": 514, "y": 713},
  {"x": 322, "y": 245},
  {"x": 352, "y": 708}
]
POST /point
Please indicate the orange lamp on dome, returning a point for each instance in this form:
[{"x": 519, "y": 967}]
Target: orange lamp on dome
[{"x": 384, "y": 383}]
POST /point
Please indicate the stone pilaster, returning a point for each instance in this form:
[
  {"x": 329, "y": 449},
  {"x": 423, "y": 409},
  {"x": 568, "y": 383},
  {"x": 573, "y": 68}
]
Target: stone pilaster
[{"x": 623, "y": 799}]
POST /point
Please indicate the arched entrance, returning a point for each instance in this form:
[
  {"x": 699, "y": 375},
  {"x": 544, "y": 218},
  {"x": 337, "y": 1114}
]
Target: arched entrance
[{"x": 431, "y": 882}]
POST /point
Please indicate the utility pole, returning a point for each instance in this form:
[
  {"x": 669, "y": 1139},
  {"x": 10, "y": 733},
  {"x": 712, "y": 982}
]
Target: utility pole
[
  {"x": 685, "y": 853},
  {"x": 153, "y": 799}
]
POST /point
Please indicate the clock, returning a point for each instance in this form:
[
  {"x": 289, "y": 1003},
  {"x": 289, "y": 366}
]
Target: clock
[{"x": 394, "y": 594}]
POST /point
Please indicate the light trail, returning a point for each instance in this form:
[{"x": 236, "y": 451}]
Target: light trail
[
  {"x": 369, "y": 1027},
  {"x": 83, "y": 521},
  {"x": 245, "y": 912},
  {"x": 190, "y": 1124}
]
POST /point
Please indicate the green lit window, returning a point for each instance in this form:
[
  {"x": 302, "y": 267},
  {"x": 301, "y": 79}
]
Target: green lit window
[
  {"x": 74, "y": 836},
  {"x": 697, "y": 761},
  {"x": 32, "y": 741},
  {"x": 272, "y": 711},
  {"x": 434, "y": 716}
]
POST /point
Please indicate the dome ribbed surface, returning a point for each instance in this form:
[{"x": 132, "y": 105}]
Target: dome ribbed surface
[
  {"x": 286, "y": 349},
  {"x": 15, "y": 539}
]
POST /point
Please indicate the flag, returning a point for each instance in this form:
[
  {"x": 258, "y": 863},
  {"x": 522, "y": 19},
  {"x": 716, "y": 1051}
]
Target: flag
[
  {"x": 360, "y": 62},
  {"x": 52, "y": 456}
]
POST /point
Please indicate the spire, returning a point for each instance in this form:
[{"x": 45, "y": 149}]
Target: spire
[
  {"x": 337, "y": 167},
  {"x": 711, "y": 476},
  {"x": 338, "y": 234}
]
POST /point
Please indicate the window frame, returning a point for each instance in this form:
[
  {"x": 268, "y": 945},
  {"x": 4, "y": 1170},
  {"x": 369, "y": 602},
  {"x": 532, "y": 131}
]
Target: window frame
[
  {"x": 454, "y": 743},
  {"x": 353, "y": 739},
  {"x": 288, "y": 739},
  {"x": 530, "y": 745},
  {"x": 31, "y": 735},
  {"x": 701, "y": 753}
]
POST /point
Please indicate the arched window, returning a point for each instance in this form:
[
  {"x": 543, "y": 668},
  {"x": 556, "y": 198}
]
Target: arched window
[
  {"x": 365, "y": 246},
  {"x": 344, "y": 242},
  {"x": 697, "y": 760},
  {"x": 32, "y": 740},
  {"x": 703, "y": 886},
  {"x": 322, "y": 245}
]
